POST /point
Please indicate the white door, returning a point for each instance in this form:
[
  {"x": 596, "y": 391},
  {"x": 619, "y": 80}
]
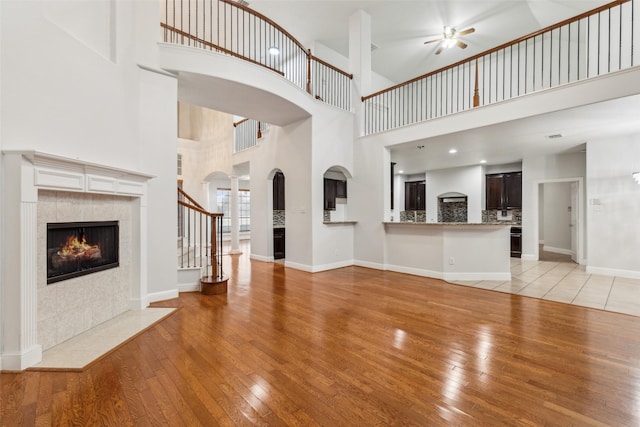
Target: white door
[{"x": 573, "y": 221}]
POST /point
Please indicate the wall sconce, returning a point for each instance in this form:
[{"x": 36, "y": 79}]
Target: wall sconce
[{"x": 636, "y": 176}]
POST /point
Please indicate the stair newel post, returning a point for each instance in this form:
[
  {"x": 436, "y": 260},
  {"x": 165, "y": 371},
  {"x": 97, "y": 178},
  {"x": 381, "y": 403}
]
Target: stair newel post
[
  {"x": 476, "y": 94},
  {"x": 309, "y": 71},
  {"x": 214, "y": 247}
]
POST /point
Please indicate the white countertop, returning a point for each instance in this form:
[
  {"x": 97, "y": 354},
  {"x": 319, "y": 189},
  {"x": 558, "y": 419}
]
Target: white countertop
[{"x": 509, "y": 223}]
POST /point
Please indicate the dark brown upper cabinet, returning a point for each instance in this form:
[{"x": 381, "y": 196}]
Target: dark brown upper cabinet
[
  {"x": 414, "y": 196},
  {"x": 333, "y": 188},
  {"x": 504, "y": 191},
  {"x": 329, "y": 194},
  {"x": 278, "y": 191}
]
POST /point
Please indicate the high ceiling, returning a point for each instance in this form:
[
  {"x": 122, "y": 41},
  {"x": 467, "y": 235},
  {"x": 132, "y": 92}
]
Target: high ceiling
[{"x": 400, "y": 27}]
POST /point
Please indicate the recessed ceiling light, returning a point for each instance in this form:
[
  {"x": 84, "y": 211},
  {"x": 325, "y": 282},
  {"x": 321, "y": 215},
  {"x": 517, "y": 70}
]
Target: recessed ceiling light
[
  {"x": 400, "y": 171},
  {"x": 453, "y": 151},
  {"x": 274, "y": 50},
  {"x": 483, "y": 161}
]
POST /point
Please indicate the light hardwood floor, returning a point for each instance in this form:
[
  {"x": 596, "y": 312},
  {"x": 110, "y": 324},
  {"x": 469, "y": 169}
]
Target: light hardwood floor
[{"x": 350, "y": 347}]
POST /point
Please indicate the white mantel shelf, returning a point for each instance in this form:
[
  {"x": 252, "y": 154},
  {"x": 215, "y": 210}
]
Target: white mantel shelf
[{"x": 62, "y": 173}]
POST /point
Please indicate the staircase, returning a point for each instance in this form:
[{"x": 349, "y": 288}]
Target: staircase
[{"x": 199, "y": 247}]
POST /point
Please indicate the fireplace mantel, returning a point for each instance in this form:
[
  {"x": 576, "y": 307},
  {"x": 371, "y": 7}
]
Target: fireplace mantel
[
  {"x": 61, "y": 173},
  {"x": 24, "y": 173}
]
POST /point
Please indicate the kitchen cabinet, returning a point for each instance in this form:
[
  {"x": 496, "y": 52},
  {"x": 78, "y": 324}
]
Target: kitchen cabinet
[
  {"x": 329, "y": 194},
  {"x": 414, "y": 196},
  {"x": 504, "y": 191},
  {"x": 333, "y": 188},
  {"x": 278, "y": 243},
  {"x": 341, "y": 189},
  {"x": 278, "y": 191},
  {"x": 513, "y": 190},
  {"x": 516, "y": 242}
]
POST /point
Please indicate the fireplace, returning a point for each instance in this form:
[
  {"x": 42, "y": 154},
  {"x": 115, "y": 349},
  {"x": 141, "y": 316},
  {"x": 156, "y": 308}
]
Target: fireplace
[{"x": 78, "y": 248}]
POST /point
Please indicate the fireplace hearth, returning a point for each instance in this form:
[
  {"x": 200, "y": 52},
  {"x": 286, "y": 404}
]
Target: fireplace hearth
[{"x": 78, "y": 248}]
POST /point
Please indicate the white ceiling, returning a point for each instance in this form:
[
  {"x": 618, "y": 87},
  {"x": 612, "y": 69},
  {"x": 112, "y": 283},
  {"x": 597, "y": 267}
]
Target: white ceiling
[
  {"x": 399, "y": 30},
  {"x": 511, "y": 141},
  {"x": 400, "y": 27}
]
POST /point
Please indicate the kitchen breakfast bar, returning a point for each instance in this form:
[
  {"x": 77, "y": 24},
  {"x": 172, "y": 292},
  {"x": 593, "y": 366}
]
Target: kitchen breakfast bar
[{"x": 449, "y": 251}]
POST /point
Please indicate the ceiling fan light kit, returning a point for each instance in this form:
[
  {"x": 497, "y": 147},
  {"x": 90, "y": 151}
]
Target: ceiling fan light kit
[{"x": 450, "y": 38}]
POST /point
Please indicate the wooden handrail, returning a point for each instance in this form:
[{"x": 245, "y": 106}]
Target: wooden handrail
[
  {"x": 264, "y": 18},
  {"x": 502, "y": 46},
  {"x": 188, "y": 197},
  {"x": 216, "y": 47},
  {"x": 238, "y": 123},
  {"x": 326, "y": 64},
  {"x": 200, "y": 210}
]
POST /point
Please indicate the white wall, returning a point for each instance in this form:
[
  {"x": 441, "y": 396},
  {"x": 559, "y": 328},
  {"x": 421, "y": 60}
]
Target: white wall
[
  {"x": 468, "y": 180},
  {"x": 76, "y": 90},
  {"x": 613, "y": 199},
  {"x": 333, "y": 131},
  {"x": 535, "y": 170},
  {"x": 556, "y": 218},
  {"x": 286, "y": 148}
]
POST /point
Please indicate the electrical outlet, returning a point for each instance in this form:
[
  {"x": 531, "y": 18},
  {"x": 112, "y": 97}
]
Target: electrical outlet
[{"x": 451, "y": 261}]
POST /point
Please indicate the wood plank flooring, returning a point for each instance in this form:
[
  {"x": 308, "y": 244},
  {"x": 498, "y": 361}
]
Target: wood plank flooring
[{"x": 350, "y": 347}]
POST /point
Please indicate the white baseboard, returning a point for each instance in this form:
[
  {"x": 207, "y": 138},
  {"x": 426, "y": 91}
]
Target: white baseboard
[
  {"x": 415, "y": 271},
  {"x": 557, "y": 250},
  {"x": 194, "y": 287},
  {"x": 529, "y": 257},
  {"x": 261, "y": 258},
  {"x": 629, "y": 274},
  {"x": 297, "y": 266},
  {"x": 331, "y": 266},
  {"x": 541, "y": 242},
  {"x": 161, "y": 296},
  {"x": 23, "y": 360},
  {"x": 450, "y": 276},
  {"x": 367, "y": 264}
]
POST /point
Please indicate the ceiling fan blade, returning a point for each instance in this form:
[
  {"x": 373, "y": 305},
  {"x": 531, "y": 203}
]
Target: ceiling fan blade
[
  {"x": 440, "y": 49},
  {"x": 432, "y": 41},
  {"x": 465, "y": 32},
  {"x": 461, "y": 44}
]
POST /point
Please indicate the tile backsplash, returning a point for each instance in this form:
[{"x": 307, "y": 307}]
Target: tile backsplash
[
  {"x": 492, "y": 215},
  {"x": 278, "y": 218},
  {"x": 415, "y": 216}
]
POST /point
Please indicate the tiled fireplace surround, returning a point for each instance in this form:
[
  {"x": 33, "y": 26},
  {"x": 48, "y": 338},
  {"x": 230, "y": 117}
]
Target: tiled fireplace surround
[{"x": 42, "y": 188}]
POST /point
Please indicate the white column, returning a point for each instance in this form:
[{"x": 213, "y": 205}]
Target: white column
[
  {"x": 360, "y": 62},
  {"x": 206, "y": 198},
  {"x": 234, "y": 208}
]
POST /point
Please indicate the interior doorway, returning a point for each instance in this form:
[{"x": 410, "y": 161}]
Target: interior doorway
[
  {"x": 560, "y": 220},
  {"x": 279, "y": 237}
]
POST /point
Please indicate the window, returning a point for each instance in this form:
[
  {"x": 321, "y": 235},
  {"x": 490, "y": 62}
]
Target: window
[
  {"x": 244, "y": 209},
  {"x": 179, "y": 164}
]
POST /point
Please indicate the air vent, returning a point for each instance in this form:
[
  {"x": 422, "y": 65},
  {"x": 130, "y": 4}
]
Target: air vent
[{"x": 555, "y": 136}]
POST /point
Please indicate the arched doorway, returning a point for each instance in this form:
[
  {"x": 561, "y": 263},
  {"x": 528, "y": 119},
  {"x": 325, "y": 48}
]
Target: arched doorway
[{"x": 278, "y": 194}]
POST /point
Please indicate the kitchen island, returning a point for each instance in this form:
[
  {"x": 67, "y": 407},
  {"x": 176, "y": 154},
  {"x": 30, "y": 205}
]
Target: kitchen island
[{"x": 449, "y": 251}]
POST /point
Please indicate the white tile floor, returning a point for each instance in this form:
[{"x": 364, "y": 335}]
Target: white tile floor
[
  {"x": 79, "y": 351},
  {"x": 568, "y": 283}
]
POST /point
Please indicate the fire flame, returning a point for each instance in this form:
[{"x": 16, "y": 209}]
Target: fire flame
[{"x": 76, "y": 248}]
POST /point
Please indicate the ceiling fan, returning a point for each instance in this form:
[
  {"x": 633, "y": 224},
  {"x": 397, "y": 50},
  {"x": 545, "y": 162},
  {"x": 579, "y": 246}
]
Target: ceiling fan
[{"x": 450, "y": 38}]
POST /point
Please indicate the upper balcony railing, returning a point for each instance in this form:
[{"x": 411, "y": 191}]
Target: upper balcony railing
[
  {"x": 234, "y": 29},
  {"x": 600, "y": 41},
  {"x": 246, "y": 134}
]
